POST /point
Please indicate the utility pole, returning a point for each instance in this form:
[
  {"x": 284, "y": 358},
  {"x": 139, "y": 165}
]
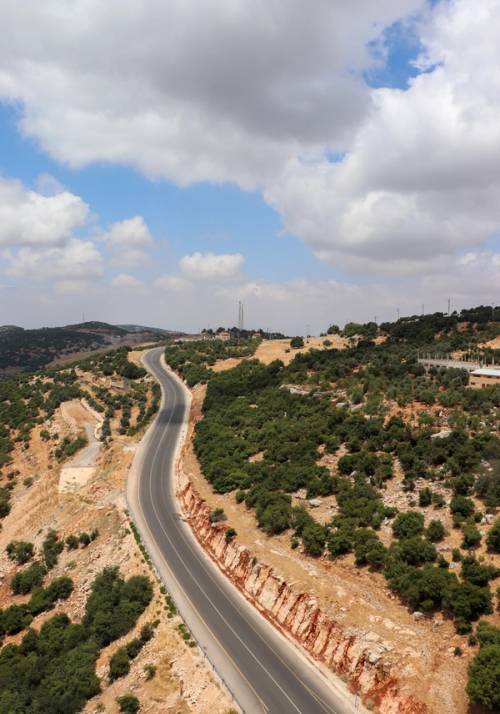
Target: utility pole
[
  {"x": 449, "y": 306},
  {"x": 398, "y": 312}
]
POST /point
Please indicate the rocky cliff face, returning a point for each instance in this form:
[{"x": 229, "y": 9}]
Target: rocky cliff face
[{"x": 358, "y": 659}]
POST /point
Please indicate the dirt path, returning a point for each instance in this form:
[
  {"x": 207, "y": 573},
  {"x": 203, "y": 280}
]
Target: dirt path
[{"x": 82, "y": 467}]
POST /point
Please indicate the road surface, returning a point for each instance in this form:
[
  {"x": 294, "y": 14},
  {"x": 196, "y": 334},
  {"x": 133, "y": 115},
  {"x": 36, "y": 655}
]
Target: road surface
[{"x": 262, "y": 669}]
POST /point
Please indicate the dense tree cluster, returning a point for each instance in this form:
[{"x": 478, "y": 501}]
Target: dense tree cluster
[
  {"x": 193, "y": 359},
  {"x": 53, "y": 669},
  {"x": 484, "y": 670},
  {"x": 250, "y": 411},
  {"x": 26, "y": 401}
]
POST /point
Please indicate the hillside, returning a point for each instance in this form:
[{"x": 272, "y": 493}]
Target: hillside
[
  {"x": 80, "y": 605},
  {"x": 27, "y": 350},
  {"x": 372, "y": 486}
]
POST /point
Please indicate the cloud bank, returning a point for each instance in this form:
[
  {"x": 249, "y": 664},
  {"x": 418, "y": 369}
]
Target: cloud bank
[{"x": 398, "y": 188}]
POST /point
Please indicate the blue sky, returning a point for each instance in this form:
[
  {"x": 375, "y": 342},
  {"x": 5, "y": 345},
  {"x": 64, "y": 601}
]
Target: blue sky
[
  {"x": 330, "y": 188},
  {"x": 205, "y": 217}
]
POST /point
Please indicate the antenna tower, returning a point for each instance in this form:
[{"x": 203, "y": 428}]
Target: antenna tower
[{"x": 240, "y": 316}]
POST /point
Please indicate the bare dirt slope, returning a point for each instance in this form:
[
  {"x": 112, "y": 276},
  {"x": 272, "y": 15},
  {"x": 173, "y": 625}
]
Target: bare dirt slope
[{"x": 269, "y": 350}]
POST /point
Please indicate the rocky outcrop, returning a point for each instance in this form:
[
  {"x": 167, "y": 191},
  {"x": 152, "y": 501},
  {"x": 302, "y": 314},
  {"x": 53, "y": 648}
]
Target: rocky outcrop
[{"x": 357, "y": 657}]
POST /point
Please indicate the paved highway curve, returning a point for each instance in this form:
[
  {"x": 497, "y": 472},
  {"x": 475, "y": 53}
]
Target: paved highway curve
[{"x": 262, "y": 669}]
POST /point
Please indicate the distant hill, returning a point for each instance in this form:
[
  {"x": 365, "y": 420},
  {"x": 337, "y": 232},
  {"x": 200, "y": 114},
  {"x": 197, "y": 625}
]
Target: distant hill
[
  {"x": 26, "y": 350},
  {"x": 143, "y": 328}
]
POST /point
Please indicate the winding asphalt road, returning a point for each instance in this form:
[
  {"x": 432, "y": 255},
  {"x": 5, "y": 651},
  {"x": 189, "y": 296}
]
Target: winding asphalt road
[{"x": 262, "y": 669}]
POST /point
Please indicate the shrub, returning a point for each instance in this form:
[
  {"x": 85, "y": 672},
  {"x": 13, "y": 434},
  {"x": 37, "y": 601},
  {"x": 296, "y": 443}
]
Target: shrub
[
  {"x": 435, "y": 531},
  {"x": 44, "y": 599},
  {"x": 4, "y": 502},
  {"x": 340, "y": 542},
  {"x": 368, "y": 548},
  {"x": 21, "y": 551},
  {"x": 119, "y": 664},
  {"x": 230, "y": 535},
  {"x": 274, "y": 513},
  {"x": 493, "y": 539},
  {"x": 84, "y": 539},
  {"x": 59, "y": 589},
  {"x": 128, "y": 704},
  {"x": 484, "y": 675},
  {"x": 476, "y": 573},
  {"x": 14, "y": 619},
  {"x": 314, "y": 538},
  {"x": 462, "y": 506},
  {"x": 472, "y": 536},
  {"x": 296, "y": 343},
  {"x": 25, "y": 580},
  {"x": 72, "y": 542},
  {"x": 408, "y": 524},
  {"x": 217, "y": 515},
  {"x": 467, "y": 601},
  {"x": 150, "y": 671},
  {"x": 52, "y": 547},
  {"x": 425, "y": 497},
  {"x": 114, "y": 605},
  {"x": 414, "y": 551},
  {"x": 147, "y": 632},
  {"x": 134, "y": 647}
]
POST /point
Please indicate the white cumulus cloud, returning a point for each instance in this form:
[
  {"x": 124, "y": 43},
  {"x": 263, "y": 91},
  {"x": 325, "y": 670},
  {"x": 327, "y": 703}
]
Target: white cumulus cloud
[
  {"x": 28, "y": 218},
  {"x": 76, "y": 260},
  {"x": 130, "y": 232},
  {"x": 211, "y": 266},
  {"x": 195, "y": 91},
  {"x": 421, "y": 181},
  {"x": 128, "y": 241},
  {"x": 126, "y": 281}
]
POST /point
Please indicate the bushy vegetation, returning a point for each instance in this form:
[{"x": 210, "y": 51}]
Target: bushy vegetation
[
  {"x": 119, "y": 664},
  {"x": 128, "y": 704},
  {"x": 53, "y": 669},
  {"x": 15, "y": 618},
  {"x": 484, "y": 670},
  {"x": 251, "y": 410},
  {"x": 192, "y": 360},
  {"x": 29, "y": 400},
  {"x": 114, "y": 605},
  {"x": 52, "y": 547},
  {"x": 21, "y": 551}
]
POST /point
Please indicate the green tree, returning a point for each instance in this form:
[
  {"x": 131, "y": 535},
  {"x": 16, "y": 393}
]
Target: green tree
[
  {"x": 296, "y": 343},
  {"x": 484, "y": 676},
  {"x": 472, "y": 536},
  {"x": 493, "y": 539},
  {"x": 119, "y": 664},
  {"x": 21, "y": 551},
  {"x": 408, "y": 524},
  {"x": 25, "y": 580},
  {"x": 424, "y": 497},
  {"x": 435, "y": 531},
  {"x": 314, "y": 538}
]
